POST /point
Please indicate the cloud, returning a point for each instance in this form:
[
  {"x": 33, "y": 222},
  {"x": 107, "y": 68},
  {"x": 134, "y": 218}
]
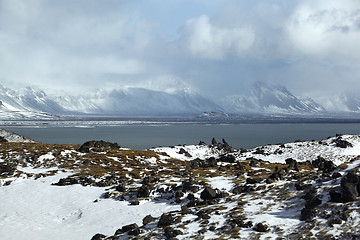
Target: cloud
[
  {"x": 206, "y": 40},
  {"x": 326, "y": 29}
]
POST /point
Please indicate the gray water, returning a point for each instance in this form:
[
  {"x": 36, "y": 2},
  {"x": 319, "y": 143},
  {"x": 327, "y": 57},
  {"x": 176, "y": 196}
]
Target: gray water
[{"x": 147, "y": 136}]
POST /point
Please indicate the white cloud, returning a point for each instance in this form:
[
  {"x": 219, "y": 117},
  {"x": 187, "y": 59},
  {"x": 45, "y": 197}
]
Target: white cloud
[
  {"x": 205, "y": 40},
  {"x": 326, "y": 29}
]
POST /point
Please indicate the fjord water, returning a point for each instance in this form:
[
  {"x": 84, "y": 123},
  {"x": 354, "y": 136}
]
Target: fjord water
[{"x": 147, "y": 136}]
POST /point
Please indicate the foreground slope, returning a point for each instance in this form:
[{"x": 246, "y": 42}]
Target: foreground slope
[{"x": 300, "y": 190}]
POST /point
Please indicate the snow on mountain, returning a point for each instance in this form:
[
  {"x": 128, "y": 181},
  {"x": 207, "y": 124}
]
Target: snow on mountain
[
  {"x": 27, "y": 103},
  {"x": 271, "y": 99},
  {"x": 345, "y": 102},
  {"x": 136, "y": 101}
]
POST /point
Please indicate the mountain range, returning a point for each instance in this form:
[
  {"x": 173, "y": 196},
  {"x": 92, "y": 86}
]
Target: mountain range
[{"x": 264, "y": 99}]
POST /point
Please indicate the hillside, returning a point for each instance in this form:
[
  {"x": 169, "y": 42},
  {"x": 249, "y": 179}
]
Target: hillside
[{"x": 301, "y": 190}]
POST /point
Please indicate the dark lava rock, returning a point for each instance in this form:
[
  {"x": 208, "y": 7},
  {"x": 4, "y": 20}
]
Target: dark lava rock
[
  {"x": 313, "y": 202},
  {"x": 134, "y": 202},
  {"x": 144, "y": 191},
  {"x": 342, "y": 143},
  {"x": 253, "y": 180},
  {"x": 120, "y": 188},
  {"x": 66, "y": 182},
  {"x": 208, "y": 193},
  {"x": 307, "y": 214},
  {"x": 171, "y": 233},
  {"x": 203, "y": 215},
  {"x": 213, "y": 142},
  {"x": 255, "y": 163},
  {"x": 335, "y": 196},
  {"x": 259, "y": 227},
  {"x": 131, "y": 229},
  {"x": 259, "y": 151},
  {"x": 211, "y": 162},
  {"x": 6, "y": 169},
  {"x": 324, "y": 165},
  {"x": 98, "y": 236},
  {"x": 97, "y": 146},
  {"x": 165, "y": 220},
  {"x": 242, "y": 189},
  {"x": 186, "y": 153},
  {"x": 2, "y": 139},
  {"x": 293, "y": 164},
  {"x": 185, "y": 210},
  {"x": 336, "y": 175},
  {"x": 349, "y": 189},
  {"x": 148, "y": 219}
]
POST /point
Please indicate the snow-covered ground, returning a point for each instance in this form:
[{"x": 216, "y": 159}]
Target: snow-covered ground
[{"x": 229, "y": 193}]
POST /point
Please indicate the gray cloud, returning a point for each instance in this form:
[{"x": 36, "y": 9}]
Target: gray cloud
[{"x": 311, "y": 47}]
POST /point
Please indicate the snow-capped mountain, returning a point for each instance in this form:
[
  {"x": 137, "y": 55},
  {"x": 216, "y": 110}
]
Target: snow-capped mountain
[
  {"x": 348, "y": 102},
  {"x": 137, "y": 101},
  {"x": 271, "y": 99},
  {"x": 27, "y": 103}
]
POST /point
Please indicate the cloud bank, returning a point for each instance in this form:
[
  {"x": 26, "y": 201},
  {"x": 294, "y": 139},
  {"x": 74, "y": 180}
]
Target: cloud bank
[{"x": 220, "y": 47}]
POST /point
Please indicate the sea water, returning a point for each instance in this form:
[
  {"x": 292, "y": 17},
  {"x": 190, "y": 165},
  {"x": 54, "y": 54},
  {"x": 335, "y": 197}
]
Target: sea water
[{"x": 147, "y": 136}]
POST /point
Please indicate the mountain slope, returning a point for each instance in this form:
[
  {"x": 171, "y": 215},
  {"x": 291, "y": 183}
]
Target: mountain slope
[
  {"x": 139, "y": 101},
  {"x": 271, "y": 99},
  {"x": 27, "y": 103}
]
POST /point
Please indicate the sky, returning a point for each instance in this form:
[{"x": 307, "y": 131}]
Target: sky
[{"x": 216, "y": 47}]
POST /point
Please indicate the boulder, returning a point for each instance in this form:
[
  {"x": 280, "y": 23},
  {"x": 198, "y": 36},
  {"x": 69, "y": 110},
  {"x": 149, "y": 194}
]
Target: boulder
[
  {"x": 148, "y": 219},
  {"x": 208, "y": 193},
  {"x": 165, "y": 220},
  {"x": 259, "y": 227},
  {"x": 339, "y": 142},
  {"x": 97, "y": 146},
  {"x": 98, "y": 236}
]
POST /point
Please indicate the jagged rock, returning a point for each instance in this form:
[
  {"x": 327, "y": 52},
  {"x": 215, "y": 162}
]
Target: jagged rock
[
  {"x": 131, "y": 229},
  {"x": 307, "y": 214},
  {"x": 255, "y": 163},
  {"x": 97, "y": 146},
  {"x": 186, "y": 153},
  {"x": 342, "y": 143},
  {"x": 171, "y": 233},
  {"x": 253, "y": 180},
  {"x": 165, "y": 220},
  {"x": 208, "y": 193},
  {"x": 324, "y": 165},
  {"x": 98, "y": 236},
  {"x": 213, "y": 142},
  {"x": 7, "y": 169},
  {"x": 120, "y": 188},
  {"x": 134, "y": 202},
  {"x": 148, "y": 219},
  {"x": 349, "y": 189},
  {"x": 313, "y": 202},
  {"x": 259, "y": 151},
  {"x": 227, "y": 158},
  {"x": 2, "y": 139},
  {"x": 293, "y": 164},
  {"x": 259, "y": 227},
  {"x": 202, "y": 143},
  {"x": 336, "y": 175},
  {"x": 66, "y": 181},
  {"x": 203, "y": 215},
  {"x": 242, "y": 189},
  {"x": 210, "y": 162},
  {"x": 185, "y": 210},
  {"x": 144, "y": 191},
  {"x": 335, "y": 196}
]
